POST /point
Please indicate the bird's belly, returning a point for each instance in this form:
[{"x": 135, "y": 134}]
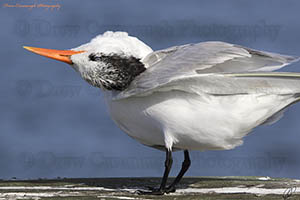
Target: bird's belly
[
  {"x": 191, "y": 121},
  {"x": 131, "y": 116}
]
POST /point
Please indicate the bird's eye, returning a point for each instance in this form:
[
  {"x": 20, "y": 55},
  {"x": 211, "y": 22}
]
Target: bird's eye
[{"x": 93, "y": 57}]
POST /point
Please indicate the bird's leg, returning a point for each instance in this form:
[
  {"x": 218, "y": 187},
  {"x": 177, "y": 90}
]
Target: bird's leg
[
  {"x": 162, "y": 189},
  {"x": 185, "y": 166}
]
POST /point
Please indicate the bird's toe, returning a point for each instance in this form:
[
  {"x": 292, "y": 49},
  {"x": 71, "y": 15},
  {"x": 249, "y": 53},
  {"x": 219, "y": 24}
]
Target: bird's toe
[{"x": 170, "y": 190}]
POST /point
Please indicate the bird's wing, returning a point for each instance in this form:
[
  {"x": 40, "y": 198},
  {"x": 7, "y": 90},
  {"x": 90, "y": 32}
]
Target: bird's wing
[
  {"x": 181, "y": 62},
  {"x": 218, "y": 84},
  {"x": 270, "y": 83}
]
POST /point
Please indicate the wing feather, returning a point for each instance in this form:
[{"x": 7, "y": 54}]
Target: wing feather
[{"x": 170, "y": 66}]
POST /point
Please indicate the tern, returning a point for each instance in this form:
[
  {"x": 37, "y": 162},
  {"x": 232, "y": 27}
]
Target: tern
[{"x": 203, "y": 96}]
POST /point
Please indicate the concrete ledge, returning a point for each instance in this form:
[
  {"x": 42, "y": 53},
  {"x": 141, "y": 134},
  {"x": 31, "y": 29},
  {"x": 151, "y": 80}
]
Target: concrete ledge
[{"x": 207, "y": 188}]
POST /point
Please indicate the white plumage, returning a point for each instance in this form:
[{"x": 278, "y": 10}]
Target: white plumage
[
  {"x": 204, "y": 96},
  {"x": 197, "y": 96}
]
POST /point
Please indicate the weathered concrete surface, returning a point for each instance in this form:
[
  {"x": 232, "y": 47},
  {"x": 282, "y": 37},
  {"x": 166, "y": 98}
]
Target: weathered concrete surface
[{"x": 207, "y": 188}]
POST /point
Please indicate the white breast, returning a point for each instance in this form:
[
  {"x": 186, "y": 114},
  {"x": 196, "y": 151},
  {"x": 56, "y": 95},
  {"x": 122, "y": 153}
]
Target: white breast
[{"x": 190, "y": 121}]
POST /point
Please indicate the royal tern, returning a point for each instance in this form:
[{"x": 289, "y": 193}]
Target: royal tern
[{"x": 204, "y": 96}]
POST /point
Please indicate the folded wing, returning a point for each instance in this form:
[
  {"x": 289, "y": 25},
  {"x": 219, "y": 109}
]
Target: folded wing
[{"x": 183, "y": 64}]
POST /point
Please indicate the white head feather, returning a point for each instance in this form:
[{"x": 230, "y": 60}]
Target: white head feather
[{"x": 109, "y": 43}]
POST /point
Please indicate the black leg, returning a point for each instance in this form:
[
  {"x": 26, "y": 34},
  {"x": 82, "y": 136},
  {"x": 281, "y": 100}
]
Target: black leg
[
  {"x": 185, "y": 166},
  {"x": 168, "y": 165}
]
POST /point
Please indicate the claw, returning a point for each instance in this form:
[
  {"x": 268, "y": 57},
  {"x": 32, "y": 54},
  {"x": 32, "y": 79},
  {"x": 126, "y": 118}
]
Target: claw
[
  {"x": 170, "y": 190},
  {"x": 152, "y": 188}
]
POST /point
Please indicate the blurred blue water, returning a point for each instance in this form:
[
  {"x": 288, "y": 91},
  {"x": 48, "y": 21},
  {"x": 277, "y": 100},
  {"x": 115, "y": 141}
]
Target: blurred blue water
[{"x": 55, "y": 124}]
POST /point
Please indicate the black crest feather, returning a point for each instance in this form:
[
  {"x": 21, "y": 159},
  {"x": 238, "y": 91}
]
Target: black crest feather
[{"x": 119, "y": 70}]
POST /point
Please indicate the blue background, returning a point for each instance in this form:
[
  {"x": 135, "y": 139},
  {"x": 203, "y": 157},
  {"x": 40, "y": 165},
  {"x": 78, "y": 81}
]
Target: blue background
[{"x": 53, "y": 124}]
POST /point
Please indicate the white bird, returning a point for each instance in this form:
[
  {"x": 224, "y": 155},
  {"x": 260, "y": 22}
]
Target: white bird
[{"x": 204, "y": 96}]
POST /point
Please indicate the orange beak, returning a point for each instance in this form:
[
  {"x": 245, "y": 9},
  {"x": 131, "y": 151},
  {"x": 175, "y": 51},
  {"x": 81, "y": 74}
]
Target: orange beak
[{"x": 61, "y": 55}]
